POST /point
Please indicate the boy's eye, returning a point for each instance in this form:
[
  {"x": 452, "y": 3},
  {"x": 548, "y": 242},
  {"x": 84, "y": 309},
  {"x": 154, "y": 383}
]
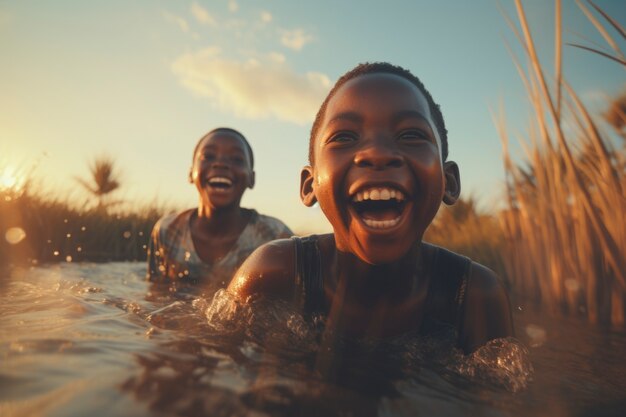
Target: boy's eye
[
  {"x": 237, "y": 160},
  {"x": 208, "y": 156},
  {"x": 343, "y": 137},
  {"x": 412, "y": 136}
]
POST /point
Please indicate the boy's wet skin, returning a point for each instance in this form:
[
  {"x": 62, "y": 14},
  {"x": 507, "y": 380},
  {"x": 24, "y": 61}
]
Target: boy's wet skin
[{"x": 378, "y": 174}]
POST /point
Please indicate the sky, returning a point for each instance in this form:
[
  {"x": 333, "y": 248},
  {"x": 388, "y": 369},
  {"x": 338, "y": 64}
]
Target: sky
[{"x": 142, "y": 81}]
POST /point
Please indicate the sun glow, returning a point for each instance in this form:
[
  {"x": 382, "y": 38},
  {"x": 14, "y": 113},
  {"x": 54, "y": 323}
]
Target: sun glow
[{"x": 10, "y": 179}]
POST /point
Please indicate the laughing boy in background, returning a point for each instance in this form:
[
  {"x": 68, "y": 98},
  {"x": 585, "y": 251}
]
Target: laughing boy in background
[{"x": 206, "y": 244}]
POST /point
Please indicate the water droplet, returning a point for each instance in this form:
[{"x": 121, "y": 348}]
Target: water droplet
[
  {"x": 127, "y": 235},
  {"x": 56, "y": 253},
  {"x": 144, "y": 246},
  {"x": 140, "y": 233},
  {"x": 79, "y": 249},
  {"x": 64, "y": 220},
  {"x": 69, "y": 235},
  {"x": 519, "y": 308},
  {"x": 68, "y": 258},
  {"x": 15, "y": 235},
  {"x": 537, "y": 335},
  {"x": 180, "y": 275},
  {"x": 186, "y": 272},
  {"x": 34, "y": 261},
  {"x": 49, "y": 241},
  {"x": 7, "y": 198},
  {"x": 187, "y": 256},
  {"x": 83, "y": 228}
]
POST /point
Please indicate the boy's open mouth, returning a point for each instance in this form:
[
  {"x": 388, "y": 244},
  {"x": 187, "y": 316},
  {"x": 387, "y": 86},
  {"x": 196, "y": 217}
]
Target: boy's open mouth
[
  {"x": 379, "y": 207},
  {"x": 220, "y": 183}
]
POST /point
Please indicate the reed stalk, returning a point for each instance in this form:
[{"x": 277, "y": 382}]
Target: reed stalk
[{"x": 564, "y": 227}]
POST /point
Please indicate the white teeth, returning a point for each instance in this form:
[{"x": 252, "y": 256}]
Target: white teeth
[
  {"x": 381, "y": 224},
  {"x": 378, "y": 193},
  {"x": 220, "y": 180}
]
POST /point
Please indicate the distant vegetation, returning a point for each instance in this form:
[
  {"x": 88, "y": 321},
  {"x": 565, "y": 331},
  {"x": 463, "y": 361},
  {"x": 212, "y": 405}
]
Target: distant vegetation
[
  {"x": 38, "y": 228},
  {"x": 103, "y": 182}
]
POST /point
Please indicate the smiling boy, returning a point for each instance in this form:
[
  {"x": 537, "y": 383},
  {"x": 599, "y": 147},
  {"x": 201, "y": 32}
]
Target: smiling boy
[
  {"x": 208, "y": 243},
  {"x": 378, "y": 170}
]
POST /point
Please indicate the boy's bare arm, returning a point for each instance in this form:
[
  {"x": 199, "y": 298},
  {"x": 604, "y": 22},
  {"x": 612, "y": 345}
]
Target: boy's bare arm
[
  {"x": 487, "y": 309},
  {"x": 269, "y": 270}
]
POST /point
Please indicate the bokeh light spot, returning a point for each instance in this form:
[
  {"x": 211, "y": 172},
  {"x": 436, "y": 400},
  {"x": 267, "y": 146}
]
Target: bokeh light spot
[{"x": 15, "y": 235}]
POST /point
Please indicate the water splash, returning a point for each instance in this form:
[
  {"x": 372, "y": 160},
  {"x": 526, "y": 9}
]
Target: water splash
[
  {"x": 503, "y": 362},
  {"x": 536, "y": 334},
  {"x": 227, "y": 314}
]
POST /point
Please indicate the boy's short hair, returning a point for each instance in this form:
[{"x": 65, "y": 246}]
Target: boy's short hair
[
  {"x": 229, "y": 130},
  {"x": 382, "y": 68}
]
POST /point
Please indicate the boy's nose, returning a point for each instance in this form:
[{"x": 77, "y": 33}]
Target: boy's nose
[
  {"x": 377, "y": 156},
  {"x": 221, "y": 161}
]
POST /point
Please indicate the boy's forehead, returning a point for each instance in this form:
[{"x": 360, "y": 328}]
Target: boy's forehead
[
  {"x": 378, "y": 95},
  {"x": 372, "y": 93},
  {"x": 230, "y": 139}
]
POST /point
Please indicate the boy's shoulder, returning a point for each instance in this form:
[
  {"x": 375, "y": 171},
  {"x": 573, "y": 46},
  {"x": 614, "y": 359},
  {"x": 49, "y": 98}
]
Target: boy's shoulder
[
  {"x": 173, "y": 220},
  {"x": 481, "y": 276},
  {"x": 272, "y": 268},
  {"x": 269, "y": 270},
  {"x": 486, "y": 309}
]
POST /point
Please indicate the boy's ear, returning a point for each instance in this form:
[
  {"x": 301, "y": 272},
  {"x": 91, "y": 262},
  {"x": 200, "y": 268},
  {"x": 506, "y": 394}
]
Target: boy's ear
[
  {"x": 307, "y": 194},
  {"x": 252, "y": 180},
  {"x": 453, "y": 182},
  {"x": 190, "y": 177}
]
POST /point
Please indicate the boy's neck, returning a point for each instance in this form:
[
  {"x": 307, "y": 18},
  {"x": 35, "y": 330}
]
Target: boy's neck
[{"x": 220, "y": 221}]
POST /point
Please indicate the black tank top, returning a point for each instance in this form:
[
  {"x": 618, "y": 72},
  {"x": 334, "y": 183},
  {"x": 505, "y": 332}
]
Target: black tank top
[{"x": 446, "y": 289}]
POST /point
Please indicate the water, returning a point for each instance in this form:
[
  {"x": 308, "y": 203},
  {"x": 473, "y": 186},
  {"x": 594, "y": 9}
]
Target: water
[{"x": 96, "y": 339}]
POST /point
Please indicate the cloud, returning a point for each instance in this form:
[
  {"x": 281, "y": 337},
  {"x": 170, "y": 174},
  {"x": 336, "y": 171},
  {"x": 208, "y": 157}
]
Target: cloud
[
  {"x": 253, "y": 89},
  {"x": 266, "y": 17},
  {"x": 202, "y": 15},
  {"x": 177, "y": 20},
  {"x": 277, "y": 57},
  {"x": 233, "y": 6},
  {"x": 295, "y": 39}
]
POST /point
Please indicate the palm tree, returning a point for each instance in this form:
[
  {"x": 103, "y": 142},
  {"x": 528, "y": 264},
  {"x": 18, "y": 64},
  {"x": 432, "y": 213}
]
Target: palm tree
[{"x": 104, "y": 180}]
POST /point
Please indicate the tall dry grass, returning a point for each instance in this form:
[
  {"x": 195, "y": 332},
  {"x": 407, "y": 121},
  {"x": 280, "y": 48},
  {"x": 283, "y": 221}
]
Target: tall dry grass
[
  {"x": 466, "y": 229},
  {"x": 565, "y": 228}
]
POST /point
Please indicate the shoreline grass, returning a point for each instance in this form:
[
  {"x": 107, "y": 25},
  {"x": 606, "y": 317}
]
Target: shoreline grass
[{"x": 39, "y": 229}]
